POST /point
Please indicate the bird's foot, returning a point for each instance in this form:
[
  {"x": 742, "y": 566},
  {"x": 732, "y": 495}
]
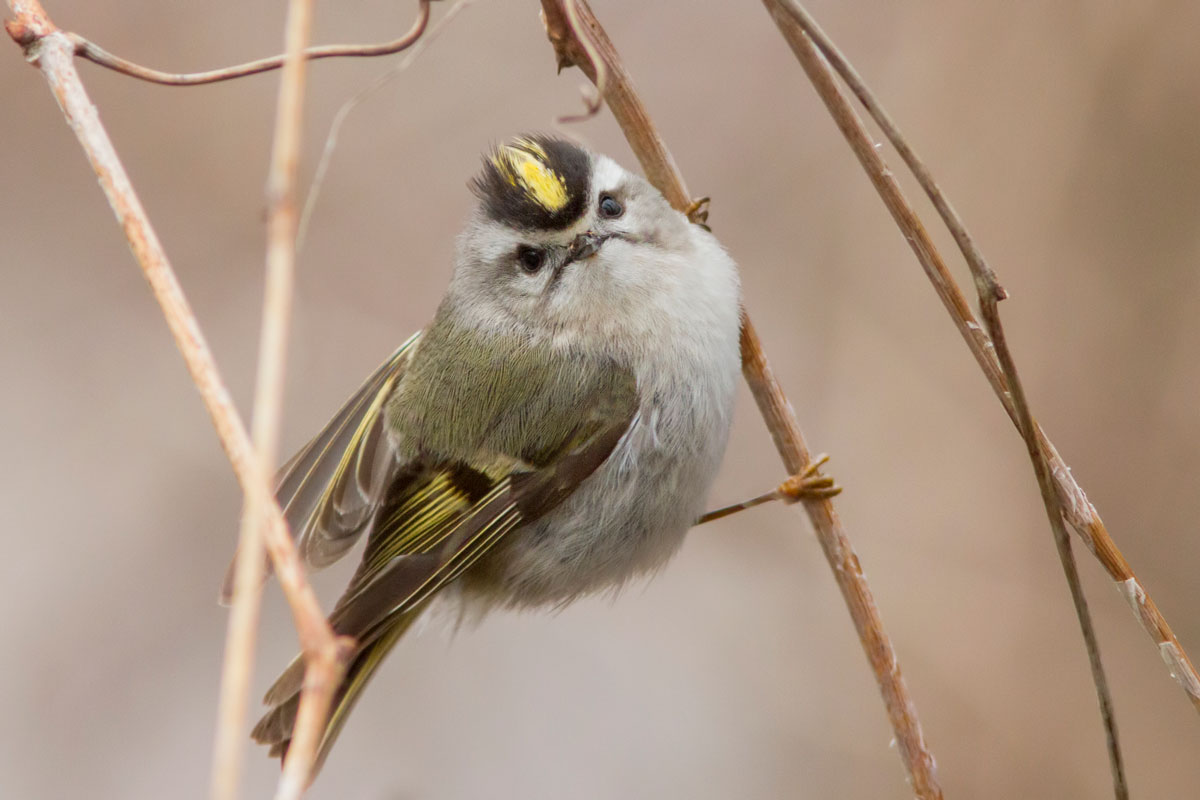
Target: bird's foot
[
  {"x": 697, "y": 212},
  {"x": 810, "y": 484}
]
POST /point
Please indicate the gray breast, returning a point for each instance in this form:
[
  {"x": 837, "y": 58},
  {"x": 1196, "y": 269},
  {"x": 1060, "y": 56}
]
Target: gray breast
[{"x": 631, "y": 515}]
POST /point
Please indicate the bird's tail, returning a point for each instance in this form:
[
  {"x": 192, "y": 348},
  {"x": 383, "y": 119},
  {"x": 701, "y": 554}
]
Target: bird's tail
[{"x": 275, "y": 728}]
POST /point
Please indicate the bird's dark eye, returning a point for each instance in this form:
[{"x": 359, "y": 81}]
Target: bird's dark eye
[
  {"x": 530, "y": 258},
  {"x": 609, "y": 207}
]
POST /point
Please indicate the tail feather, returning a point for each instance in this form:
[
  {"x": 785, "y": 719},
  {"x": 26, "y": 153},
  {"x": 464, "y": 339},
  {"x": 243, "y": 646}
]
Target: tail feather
[{"x": 275, "y": 728}]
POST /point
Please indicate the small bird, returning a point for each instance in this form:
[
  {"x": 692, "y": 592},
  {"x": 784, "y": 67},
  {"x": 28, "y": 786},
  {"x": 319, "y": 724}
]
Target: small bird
[{"x": 553, "y": 432}]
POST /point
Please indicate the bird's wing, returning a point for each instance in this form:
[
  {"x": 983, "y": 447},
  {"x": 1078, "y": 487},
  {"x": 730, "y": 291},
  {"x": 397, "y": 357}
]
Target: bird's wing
[
  {"x": 500, "y": 500},
  {"x": 441, "y": 518},
  {"x": 331, "y": 488},
  {"x": 438, "y": 520}
]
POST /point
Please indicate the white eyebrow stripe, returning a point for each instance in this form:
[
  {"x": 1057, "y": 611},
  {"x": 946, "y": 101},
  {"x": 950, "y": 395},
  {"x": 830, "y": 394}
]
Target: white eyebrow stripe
[{"x": 606, "y": 176}]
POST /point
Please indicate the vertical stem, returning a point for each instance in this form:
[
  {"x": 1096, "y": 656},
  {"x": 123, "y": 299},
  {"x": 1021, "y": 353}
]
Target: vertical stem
[{"x": 268, "y": 404}]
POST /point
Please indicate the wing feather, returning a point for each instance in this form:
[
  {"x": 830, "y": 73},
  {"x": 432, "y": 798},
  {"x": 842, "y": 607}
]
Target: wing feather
[
  {"x": 433, "y": 530},
  {"x": 326, "y": 510},
  {"x": 363, "y": 462},
  {"x": 430, "y": 518}
]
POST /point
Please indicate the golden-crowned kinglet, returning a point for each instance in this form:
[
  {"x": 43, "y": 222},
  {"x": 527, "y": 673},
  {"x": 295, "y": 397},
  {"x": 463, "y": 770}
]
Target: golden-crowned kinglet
[{"x": 554, "y": 430}]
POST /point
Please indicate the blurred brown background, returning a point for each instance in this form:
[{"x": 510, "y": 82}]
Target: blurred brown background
[{"x": 1068, "y": 136}]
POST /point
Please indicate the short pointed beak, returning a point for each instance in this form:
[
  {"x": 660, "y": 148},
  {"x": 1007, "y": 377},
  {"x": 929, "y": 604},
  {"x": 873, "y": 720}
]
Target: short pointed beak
[{"x": 585, "y": 246}]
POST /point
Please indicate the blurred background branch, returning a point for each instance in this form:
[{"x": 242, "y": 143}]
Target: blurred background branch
[{"x": 323, "y": 655}]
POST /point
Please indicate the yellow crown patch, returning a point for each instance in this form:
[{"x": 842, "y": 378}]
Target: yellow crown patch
[{"x": 523, "y": 164}]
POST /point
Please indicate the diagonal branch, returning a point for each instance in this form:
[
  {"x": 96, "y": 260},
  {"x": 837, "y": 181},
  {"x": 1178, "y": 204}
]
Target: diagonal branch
[
  {"x": 48, "y": 49},
  {"x": 1072, "y": 502},
  {"x": 781, "y": 421},
  {"x": 52, "y": 52}
]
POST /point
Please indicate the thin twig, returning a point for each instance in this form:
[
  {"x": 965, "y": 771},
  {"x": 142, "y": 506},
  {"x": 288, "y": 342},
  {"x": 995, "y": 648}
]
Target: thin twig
[
  {"x": 52, "y": 52},
  {"x": 268, "y": 407},
  {"x": 324, "y": 664},
  {"x": 1071, "y": 502},
  {"x": 1062, "y": 540},
  {"x": 98, "y": 55},
  {"x": 591, "y": 103},
  {"x": 48, "y": 49},
  {"x": 620, "y": 95},
  {"x": 1078, "y": 511},
  {"x": 808, "y": 484},
  {"x": 776, "y": 410},
  {"x": 793, "y": 23},
  {"x": 339, "y": 119}
]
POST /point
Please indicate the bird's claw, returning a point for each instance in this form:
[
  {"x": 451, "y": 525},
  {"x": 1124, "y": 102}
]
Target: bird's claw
[
  {"x": 697, "y": 212},
  {"x": 810, "y": 484}
]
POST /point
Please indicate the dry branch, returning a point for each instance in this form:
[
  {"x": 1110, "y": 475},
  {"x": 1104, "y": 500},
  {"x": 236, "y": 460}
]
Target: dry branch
[
  {"x": 781, "y": 421},
  {"x": 98, "y": 55},
  {"x": 52, "y": 52},
  {"x": 324, "y": 663},
  {"x": 793, "y": 23},
  {"x": 49, "y": 49},
  {"x": 1073, "y": 503},
  {"x": 322, "y": 669},
  {"x": 343, "y": 113}
]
